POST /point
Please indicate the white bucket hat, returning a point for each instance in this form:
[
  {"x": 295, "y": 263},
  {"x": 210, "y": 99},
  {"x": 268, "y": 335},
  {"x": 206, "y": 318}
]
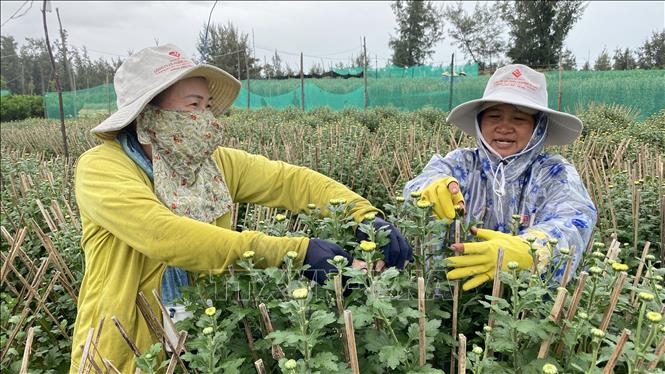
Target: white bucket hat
[
  {"x": 523, "y": 87},
  {"x": 152, "y": 70}
]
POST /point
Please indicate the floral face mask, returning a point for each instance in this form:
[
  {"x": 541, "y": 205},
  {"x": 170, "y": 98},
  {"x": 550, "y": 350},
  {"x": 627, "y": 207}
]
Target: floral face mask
[{"x": 186, "y": 178}]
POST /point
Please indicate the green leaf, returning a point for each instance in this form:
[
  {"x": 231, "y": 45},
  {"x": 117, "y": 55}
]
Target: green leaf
[
  {"x": 320, "y": 318},
  {"x": 286, "y": 337},
  {"x": 361, "y": 316},
  {"x": 325, "y": 361},
  {"x": 392, "y": 356},
  {"x": 232, "y": 366}
]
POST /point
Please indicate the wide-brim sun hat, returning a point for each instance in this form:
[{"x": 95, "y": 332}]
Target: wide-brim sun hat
[
  {"x": 152, "y": 70},
  {"x": 521, "y": 86}
]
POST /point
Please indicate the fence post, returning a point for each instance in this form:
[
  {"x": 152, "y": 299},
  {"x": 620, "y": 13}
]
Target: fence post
[
  {"x": 248, "y": 81},
  {"x": 452, "y": 74},
  {"x": 365, "y": 73},
  {"x": 302, "y": 85}
]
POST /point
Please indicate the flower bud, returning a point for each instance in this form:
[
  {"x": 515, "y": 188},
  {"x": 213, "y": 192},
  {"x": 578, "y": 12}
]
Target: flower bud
[
  {"x": 292, "y": 254},
  {"x": 208, "y": 330},
  {"x": 399, "y": 199},
  {"x": 423, "y": 204},
  {"x": 211, "y": 311},
  {"x": 311, "y": 206},
  {"x": 512, "y": 265},
  {"x": 339, "y": 260},
  {"x": 290, "y": 364},
  {"x": 650, "y": 257},
  {"x": 300, "y": 293},
  {"x": 148, "y": 356},
  {"x": 595, "y": 270},
  {"x": 654, "y": 317},
  {"x": 487, "y": 328},
  {"x": 564, "y": 251},
  {"x": 248, "y": 254},
  {"x": 598, "y": 333},
  {"x": 516, "y": 217},
  {"x": 553, "y": 241},
  {"x": 477, "y": 350},
  {"x": 416, "y": 194},
  {"x": 280, "y": 218},
  {"x": 583, "y": 315},
  {"x": 598, "y": 245},
  {"x": 619, "y": 266},
  {"x": 370, "y": 216},
  {"x": 645, "y": 296},
  {"x": 550, "y": 369},
  {"x": 599, "y": 255},
  {"x": 367, "y": 246}
]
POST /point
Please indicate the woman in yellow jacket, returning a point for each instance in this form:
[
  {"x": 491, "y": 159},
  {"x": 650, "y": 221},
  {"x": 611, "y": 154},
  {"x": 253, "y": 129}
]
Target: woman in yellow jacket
[{"x": 155, "y": 199}]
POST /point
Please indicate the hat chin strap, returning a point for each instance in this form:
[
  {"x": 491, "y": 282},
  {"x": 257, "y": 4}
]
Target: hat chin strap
[{"x": 499, "y": 179}]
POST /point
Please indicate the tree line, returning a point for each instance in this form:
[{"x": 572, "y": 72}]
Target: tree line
[{"x": 536, "y": 31}]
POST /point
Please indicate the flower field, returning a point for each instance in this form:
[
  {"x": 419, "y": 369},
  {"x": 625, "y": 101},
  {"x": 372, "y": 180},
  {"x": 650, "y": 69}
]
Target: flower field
[{"x": 607, "y": 318}]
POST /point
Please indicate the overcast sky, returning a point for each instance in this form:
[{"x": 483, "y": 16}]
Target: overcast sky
[{"x": 324, "y": 31}]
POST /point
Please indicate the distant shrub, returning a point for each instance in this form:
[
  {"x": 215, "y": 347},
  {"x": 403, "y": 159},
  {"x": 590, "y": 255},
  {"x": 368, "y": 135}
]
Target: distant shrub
[{"x": 18, "y": 107}]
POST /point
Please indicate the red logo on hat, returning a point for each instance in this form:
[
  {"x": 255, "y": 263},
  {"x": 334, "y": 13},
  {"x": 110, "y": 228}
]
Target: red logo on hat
[
  {"x": 517, "y": 73},
  {"x": 175, "y": 54}
]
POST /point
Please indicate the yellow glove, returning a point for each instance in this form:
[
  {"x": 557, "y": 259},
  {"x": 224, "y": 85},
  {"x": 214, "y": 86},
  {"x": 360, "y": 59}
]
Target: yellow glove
[
  {"x": 445, "y": 196},
  {"x": 479, "y": 259}
]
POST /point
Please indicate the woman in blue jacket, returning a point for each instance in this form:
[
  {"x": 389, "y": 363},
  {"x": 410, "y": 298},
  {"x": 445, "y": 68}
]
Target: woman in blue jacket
[{"x": 507, "y": 174}]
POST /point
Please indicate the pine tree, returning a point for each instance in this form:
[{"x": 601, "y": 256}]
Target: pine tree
[
  {"x": 538, "y": 29},
  {"x": 419, "y": 27},
  {"x": 603, "y": 61}
]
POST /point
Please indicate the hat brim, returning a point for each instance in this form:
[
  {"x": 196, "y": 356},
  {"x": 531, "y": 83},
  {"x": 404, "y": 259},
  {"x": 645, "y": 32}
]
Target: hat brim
[
  {"x": 223, "y": 87},
  {"x": 563, "y": 128}
]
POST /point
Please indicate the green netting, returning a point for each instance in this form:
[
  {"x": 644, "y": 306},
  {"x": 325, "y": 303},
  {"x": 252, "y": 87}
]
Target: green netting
[
  {"x": 82, "y": 103},
  {"x": 424, "y": 71},
  {"x": 639, "y": 89},
  {"x": 5, "y": 92}
]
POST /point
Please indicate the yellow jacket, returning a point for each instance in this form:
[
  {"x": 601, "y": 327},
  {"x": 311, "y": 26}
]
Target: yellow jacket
[{"x": 129, "y": 236}]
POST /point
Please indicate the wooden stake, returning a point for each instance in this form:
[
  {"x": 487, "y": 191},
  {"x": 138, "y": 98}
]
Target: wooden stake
[
  {"x": 640, "y": 267},
  {"x": 175, "y": 357},
  {"x": 554, "y": 316},
  {"x": 277, "y": 352},
  {"x": 422, "y": 344},
  {"x": 609, "y": 367},
  {"x": 340, "y": 310},
  {"x": 616, "y": 291},
  {"x": 258, "y": 364},
  {"x": 496, "y": 286},
  {"x": 577, "y": 296},
  {"x": 86, "y": 350},
  {"x": 457, "y": 239},
  {"x": 126, "y": 337},
  {"x": 659, "y": 353},
  {"x": 351, "y": 341},
  {"x": 26, "y": 350},
  {"x": 461, "y": 354}
]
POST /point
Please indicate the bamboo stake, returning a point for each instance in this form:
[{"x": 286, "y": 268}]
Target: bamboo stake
[
  {"x": 126, "y": 337},
  {"x": 337, "y": 280},
  {"x": 555, "y": 313},
  {"x": 618, "y": 286},
  {"x": 86, "y": 351},
  {"x": 659, "y": 353},
  {"x": 351, "y": 341},
  {"x": 258, "y": 364},
  {"x": 640, "y": 267},
  {"x": 277, "y": 352},
  {"x": 15, "y": 246},
  {"x": 110, "y": 367},
  {"x": 577, "y": 296},
  {"x": 421, "y": 322},
  {"x": 566, "y": 273},
  {"x": 457, "y": 239},
  {"x": 26, "y": 351},
  {"x": 496, "y": 286},
  {"x": 609, "y": 367},
  {"x": 461, "y": 354}
]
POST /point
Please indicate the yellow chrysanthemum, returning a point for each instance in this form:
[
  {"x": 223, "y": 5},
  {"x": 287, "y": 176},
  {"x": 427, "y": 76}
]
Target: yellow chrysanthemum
[
  {"x": 280, "y": 218},
  {"x": 367, "y": 246},
  {"x": 300, "y": 293},
  {"x": 248, "y": 254},
  {"x": 211, "y": 311}
]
